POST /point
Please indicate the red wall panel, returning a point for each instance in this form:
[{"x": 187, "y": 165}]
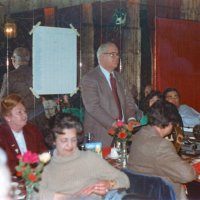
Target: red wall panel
[{"x": 177, "y": 58}]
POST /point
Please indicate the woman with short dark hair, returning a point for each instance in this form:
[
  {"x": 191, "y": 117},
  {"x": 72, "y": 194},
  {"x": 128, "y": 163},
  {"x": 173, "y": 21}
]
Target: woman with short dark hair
[{"x": 75, "y": 174}]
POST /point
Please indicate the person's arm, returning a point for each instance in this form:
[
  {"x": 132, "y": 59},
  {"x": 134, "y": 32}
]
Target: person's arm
[
  {"x": 105, "y": 171},
  {"x": 169, "y": 163},
  {"x": 190, "y": 117},
  {"x": 100, "y": 188},
  {"x": 45, "y": 193},
  {"x": 4, "y": 87}
]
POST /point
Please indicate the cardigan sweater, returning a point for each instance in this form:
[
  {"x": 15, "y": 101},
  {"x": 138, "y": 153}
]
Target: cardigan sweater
[{"x": 70, "y": 174}]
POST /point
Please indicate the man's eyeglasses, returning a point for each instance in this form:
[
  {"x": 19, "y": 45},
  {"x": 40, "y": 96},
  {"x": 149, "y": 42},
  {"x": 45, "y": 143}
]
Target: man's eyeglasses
[{"x": 112, "y": 54}]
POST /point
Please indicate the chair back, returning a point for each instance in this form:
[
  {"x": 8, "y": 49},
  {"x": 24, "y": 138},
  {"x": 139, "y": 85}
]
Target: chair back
[{"x": 152, "y": 187}]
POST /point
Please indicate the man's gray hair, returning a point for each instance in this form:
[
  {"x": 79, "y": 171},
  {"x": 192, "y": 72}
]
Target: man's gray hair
[
  {"x": 102, "y": 48},
  {"x": 21, "y": 54}
]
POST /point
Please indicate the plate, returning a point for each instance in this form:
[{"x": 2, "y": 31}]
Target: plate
[{"x": 114, "y": 158}]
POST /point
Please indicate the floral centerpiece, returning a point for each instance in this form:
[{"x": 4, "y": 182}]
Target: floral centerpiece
[
  {"x": 30, "y": 168},
  {"x": 122, "y": 131}
]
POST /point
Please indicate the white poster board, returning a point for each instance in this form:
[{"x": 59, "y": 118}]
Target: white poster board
[{"x": 54, "y": 60}]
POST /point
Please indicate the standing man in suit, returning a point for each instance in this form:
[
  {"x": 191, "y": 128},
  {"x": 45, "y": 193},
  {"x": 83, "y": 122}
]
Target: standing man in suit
[
  {"x": 102, "y": 110},
  {"x": 19, "y": 82}
]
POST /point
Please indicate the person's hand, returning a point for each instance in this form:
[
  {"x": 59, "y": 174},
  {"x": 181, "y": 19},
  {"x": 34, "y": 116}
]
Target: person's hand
[
  {"x": 114, "y": 124},
  {"x": 132, "y": 123},
  {"x": 99, "y": 188}
]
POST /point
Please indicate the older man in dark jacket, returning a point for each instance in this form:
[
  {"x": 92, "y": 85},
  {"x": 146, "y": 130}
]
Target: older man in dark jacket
[{"x": 19, "y": 81}]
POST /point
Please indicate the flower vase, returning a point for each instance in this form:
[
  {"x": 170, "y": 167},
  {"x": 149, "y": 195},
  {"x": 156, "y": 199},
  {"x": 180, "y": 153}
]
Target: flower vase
[
  {"x": 124, "y": 154},
  {"x": 29, "y": 191}
]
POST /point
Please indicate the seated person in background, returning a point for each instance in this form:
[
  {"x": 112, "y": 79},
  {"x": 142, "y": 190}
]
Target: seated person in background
[
  {"x": 16, "y": 135},
  {"x": 134, "y": 92},
  {"x": 76, "y": 99},
  {"x": 138, "y": 112},
  {"x": 147, "y": 90},
  {"x": 50, "y": 106},
  {"x": 64, "y": 103},
  {"x": 19, "y": 81},
  {"x": 74, "y": 174},
  {"x": 150, "y": 99},
  {"x": 190, "y": 117},
  {"x": 151, "y": 154}
]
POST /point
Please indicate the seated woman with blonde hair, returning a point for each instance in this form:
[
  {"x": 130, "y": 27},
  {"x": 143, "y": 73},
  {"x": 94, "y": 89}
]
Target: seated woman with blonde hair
[
  {"x": 75, "y": 174},
  {"x": 16, "y": 135}
]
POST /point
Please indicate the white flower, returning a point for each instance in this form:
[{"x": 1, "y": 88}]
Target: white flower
[
  {"x": 17, "y": 151},
  {"x": 44, "y": 157}
]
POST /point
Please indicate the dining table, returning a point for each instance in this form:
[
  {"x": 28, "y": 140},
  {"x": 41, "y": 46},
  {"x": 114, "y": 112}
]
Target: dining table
[{"x": 193, "y": 187}]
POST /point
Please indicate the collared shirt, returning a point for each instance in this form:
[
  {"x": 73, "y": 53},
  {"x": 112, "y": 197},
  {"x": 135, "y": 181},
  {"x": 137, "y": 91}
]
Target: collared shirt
[
  {"x": 189, "y": 116},
  {"x": 19, "y": 137},
  {"x": 107, "y": 75}
]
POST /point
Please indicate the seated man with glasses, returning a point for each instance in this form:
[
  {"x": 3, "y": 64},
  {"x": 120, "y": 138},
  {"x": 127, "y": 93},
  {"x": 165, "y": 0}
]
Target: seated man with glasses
[
  {"x": 106, "y": 96},
  {"x": 190, "y": 116}
]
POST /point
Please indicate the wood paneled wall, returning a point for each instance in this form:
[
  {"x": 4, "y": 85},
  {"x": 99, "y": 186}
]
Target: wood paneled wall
[
  {"x": 190, "y": 9},
  {"x": 131, "y": 49}
]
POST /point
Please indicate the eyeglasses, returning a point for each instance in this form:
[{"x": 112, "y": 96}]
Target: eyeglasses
[{"x": 112, "y": 54}]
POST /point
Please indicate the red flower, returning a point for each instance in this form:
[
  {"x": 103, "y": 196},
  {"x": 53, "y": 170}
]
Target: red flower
[
  {"x": 121, "y": 131},
  {"x": 122, "y": 135},
  {"x": 30, "y": 167},
  {"x": 19, "y": 173},
  {"x": 29, "y": 157},
  {"x": 32, "y": 177},
  {"x": 111, "y": 131},
  {"x": 120, "y": 123}
]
